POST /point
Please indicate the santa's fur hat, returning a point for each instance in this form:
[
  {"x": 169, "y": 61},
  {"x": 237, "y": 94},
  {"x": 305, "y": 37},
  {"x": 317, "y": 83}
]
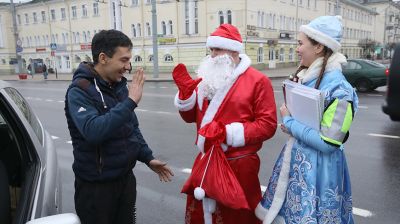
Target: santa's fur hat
[{"x": 225, "y": 37}]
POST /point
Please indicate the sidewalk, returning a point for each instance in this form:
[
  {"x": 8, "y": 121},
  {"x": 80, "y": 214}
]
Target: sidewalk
[{"x": 163, "y": 77}]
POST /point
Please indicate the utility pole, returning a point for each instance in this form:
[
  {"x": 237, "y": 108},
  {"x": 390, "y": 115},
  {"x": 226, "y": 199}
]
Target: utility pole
[
  {"x": 16, "y": 36},
  {"x": 155, "y": 42}
]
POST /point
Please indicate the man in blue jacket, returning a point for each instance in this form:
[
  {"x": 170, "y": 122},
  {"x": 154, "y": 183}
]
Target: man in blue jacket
[{"x": 107, "y": 142}]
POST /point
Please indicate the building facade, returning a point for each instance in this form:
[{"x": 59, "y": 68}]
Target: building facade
[{"x": 60, "y": 31}]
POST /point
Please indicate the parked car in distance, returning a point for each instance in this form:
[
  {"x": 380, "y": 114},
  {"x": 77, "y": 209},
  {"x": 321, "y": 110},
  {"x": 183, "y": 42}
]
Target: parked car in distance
[
  {"x": 365, "y": 75},
  {"x": 392, "y": 105},
  {"x": 30, "y": 182}
]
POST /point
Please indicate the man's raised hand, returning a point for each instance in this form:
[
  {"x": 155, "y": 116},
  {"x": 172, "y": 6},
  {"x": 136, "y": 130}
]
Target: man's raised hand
[{"x": 136, "y": 86}]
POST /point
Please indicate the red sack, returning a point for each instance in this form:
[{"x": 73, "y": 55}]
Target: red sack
[{"x": 213, "y": 173}]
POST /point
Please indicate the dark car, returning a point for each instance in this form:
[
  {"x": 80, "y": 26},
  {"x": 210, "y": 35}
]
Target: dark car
[
  {"x": 30, "y": 183},
  {"x": 392, "y": 106},
  {"x": 365, "y": 75}
]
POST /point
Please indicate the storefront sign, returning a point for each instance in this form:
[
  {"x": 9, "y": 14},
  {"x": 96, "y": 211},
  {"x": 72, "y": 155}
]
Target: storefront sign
[
  {"x": 86, "y": 46},
  {"x": 164, "y": 41},
  {"x": 40, "y": 49}
]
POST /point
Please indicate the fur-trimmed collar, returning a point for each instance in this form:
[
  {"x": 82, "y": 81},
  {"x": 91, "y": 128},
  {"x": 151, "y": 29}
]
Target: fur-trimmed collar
[{"x": 334, "y": 63}]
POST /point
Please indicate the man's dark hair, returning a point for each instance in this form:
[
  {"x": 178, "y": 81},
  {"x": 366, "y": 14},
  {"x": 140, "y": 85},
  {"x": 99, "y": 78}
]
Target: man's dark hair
[{"x": 107, "y": 41}]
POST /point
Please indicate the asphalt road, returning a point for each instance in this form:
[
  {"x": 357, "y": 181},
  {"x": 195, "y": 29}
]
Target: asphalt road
[{"x": 373, "y": 152}]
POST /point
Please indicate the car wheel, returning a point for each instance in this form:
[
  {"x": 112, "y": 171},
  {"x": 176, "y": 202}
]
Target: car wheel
[{"x": 363, "y": 85}]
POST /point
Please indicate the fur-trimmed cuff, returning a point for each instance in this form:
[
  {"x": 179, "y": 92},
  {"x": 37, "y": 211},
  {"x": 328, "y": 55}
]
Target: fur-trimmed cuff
[
  {"x": 185, "y": 105},
  {"x": 262, "y": 212},
  {"x": 235, "y": 134}
]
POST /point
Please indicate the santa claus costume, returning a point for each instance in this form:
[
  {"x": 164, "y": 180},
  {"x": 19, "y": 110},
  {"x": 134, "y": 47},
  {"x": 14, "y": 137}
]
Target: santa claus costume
[{"x": 243, "y": 102}]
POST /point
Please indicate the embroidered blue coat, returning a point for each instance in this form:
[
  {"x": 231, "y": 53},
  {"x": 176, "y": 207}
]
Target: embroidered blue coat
[{"x": 310, "y": 182}]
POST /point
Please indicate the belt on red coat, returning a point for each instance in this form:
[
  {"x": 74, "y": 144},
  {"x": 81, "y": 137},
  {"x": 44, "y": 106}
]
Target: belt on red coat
[{"x": 240, "y": 153}]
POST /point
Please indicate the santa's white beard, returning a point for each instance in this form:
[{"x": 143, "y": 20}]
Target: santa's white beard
[{"x": 216, "y": 73}]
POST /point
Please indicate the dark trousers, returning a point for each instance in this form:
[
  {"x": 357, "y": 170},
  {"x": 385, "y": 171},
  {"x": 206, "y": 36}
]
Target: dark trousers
[{"x": 106, "y": 202}]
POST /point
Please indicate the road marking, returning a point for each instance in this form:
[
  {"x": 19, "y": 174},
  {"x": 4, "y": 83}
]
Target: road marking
[
  {"x": 69, "y": 142},
  {"x": 60, "y": 101},
  {"x": 277, "y": 91},
  {"x": 36, "y": 98},
  {"x": 383, "y": 136},
  {"x": 362, "y": 107},
  {"x": 187, "y": 170},
  {"x": 48, "y": 100},
  {"x": 356, "y": 211},
  {"x": 157, "y": 112},
  {"x": 54, "y": 137},
  {"x": 163, "y": 87},
  {"x": 374, "y": 95},
  {"x": 362, "y": 212}
]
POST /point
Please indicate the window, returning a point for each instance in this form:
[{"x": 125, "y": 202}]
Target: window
[
  {"x": 74, "y": 37},
  {"x": 78, "y": 38},
  {"x": 63, "y": 38},
  {"x": 34, "y": 17},
  {"x": 260, "y": 55},
  {"x": 271, "y": 54},
  {"x": 133, "y": 30},
  {"x": 26, "y": 18},
  {"x": 150, "y": 58},
  {"x": 89, "y": 37},
  {"x": 291, "y": 54},
  {"x": 148, "y": 28},
  {"x": 229, "y": 15},
  {"x": 43, "y": 16},
  {"x": 352, "y": 65},
  {"x": 19, "y": 19},
  {"x": 53, "y": 14},
  {"x": 135, "y": 2},
  {"x": 168, "y": 58},
  {"x": 73, "y": 9},
  {"x": 137, "y": 58},
  {"x": 95, "y": 9},
  {"x": 84, "y": 11},
  {"x": 164, "y": 28},
  {"x": 191, "y": 17},
  {"x": 138, "y": 30},
  {"x": 63, "y": 14},
  {"x": 221, "y": 17},
  {"x": 27, "y": 112},
  {"x": 84, "y": 37},
  {"x": 170, "y": 27}
]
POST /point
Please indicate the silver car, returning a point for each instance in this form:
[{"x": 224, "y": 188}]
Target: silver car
[{"x": 30, "y": 183}]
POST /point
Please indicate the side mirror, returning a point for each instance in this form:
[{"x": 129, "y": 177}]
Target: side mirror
[{"x": 67, "y": 218}]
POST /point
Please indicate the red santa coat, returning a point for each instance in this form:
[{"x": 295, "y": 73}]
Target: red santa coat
[{"x": 247, "y": 108}]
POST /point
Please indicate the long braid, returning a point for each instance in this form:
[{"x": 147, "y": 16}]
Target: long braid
[
  {"x": 327, "y": 53},
  {"x": 295, "y": 78}
]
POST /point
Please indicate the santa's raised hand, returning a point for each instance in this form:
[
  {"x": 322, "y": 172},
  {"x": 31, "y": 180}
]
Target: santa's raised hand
[{"x": 185, "y": 83}]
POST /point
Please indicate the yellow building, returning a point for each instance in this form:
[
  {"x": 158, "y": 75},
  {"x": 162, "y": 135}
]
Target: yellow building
[{"x": 60, "y": 31}]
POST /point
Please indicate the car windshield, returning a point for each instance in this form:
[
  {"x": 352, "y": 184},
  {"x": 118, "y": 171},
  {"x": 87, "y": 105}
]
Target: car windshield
[{"x": 375, "y": 64}]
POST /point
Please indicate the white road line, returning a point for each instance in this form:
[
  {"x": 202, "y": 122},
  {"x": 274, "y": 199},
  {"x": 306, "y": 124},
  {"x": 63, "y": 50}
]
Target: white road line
[
  {"x": 356, "y": 211},
  {"x": 60, "y": 101},
  {"x": 69, "y": 142},
  {"x": 383, "y": 136},
  {"x": 362, "y": 212},
  {"x": 54, "y": 137},
  {"x": 187, "y": 170},
  {"x": 362, "y": 107},
  {"x": 48, "y": 100},
  {"x": 277, "y": 91},
  {"x": 374, "y": 95},
  {"x": 36, "y": 98},
  {"x": 163, "y": 87}
]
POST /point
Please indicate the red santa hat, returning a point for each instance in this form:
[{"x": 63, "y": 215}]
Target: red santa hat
[{"x": 225, "y": 37}]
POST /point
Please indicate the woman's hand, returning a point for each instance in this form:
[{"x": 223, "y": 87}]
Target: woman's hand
[{"x": 284, "y": 111}]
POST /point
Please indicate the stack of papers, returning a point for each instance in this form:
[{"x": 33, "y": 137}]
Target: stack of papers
[{"x": 304, "y": 103}]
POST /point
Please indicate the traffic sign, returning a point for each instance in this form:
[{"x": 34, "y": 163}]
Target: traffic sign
[
  {"x": 19, "y": 49},
  {"x": 53, "y": 46}
]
